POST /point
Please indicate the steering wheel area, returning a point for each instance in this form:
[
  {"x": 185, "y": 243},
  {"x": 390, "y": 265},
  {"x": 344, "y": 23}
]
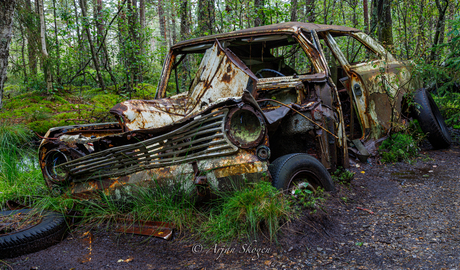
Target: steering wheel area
[{"x": 260, "y": 71}]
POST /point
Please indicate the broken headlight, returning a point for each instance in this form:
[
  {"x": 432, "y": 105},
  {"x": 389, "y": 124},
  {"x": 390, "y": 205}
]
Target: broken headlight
[
  {"x": 245, "y": 127},
  {"x": 54, "y": 158}
]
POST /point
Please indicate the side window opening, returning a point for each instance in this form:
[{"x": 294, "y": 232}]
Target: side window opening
[
  {"x": 273, "y": 58},
  {"x": 341, "y": 80},
  {"x": 355, "y": 51}
]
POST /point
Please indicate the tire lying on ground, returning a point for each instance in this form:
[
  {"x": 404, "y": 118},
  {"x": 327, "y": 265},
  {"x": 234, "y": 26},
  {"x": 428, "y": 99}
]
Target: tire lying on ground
[
  {"x": 50, "y": 230},
  {"x": 289, "y": 169},
  {"x": 430, "y": 120}
]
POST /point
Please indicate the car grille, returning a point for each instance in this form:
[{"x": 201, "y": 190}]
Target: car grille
[{"x": 202, "y": 138}]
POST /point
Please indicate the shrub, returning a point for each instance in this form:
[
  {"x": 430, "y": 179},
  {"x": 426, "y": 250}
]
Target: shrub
[
  {"x": 398, "y": 147},
  {"x": 247, "y": 212}
]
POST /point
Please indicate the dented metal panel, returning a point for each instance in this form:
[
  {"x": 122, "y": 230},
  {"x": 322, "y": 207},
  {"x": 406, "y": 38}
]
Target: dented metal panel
[
  {"x": 217, "y": 78},
  {"x": 197, "y": 140}
]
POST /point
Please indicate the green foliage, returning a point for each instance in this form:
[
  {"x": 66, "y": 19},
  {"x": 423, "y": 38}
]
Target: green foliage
[
  {"x": 19, "y": 172},
  {"x": 304, "y": 195},
  {"x": 449, "y": 105},
  {"x": 342, "y": 176},
  {"x": 398, "y": 147},
  {"x": 246, "y": 212}
]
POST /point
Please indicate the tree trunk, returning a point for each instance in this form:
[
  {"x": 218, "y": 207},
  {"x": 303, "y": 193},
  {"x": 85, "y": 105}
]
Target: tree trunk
[
  {"x": 45, "y": 56},
  {"x": 23, "y": 39},
  {"x": 385, "y": 23},
  {"x": 133, "y": 54},
  {"x": 184, "y": 21},
  {"x": 366, "y": 16},
  {"x": 58, "y": 55},
  {"x": 6, "y": 24},
  {"x": 293, "y": 10},
  {"x": 439, "y": 27},
  {"x": 100, "y": 33},
  {"x": 162, "y": 19},
  {"x": 31, "y": 27},
  {"x": 374, "y": 18},
  {"x": 260, "y": 16},
  {"x": 206, "y": 16},
  {"x": 310, "y": 10},
  {"x": 91, "y": 46}
]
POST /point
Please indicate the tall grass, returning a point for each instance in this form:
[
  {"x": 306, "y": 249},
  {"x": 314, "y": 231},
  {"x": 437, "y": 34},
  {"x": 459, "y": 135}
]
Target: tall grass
[
  {"x": 19, "y": 173},
  {"x": 245, "y": 210},
  {"x": 255, "y": 209}
]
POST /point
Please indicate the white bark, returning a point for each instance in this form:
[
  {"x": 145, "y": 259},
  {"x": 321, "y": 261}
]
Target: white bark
[
  {"x": 42, "y": 27},
  {"x": 46, "y": 63},
  {"x": 6, "y": 23}
]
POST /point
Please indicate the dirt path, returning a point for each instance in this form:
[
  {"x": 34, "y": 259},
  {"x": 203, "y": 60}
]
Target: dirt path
[{"x": 415, "y": 225}]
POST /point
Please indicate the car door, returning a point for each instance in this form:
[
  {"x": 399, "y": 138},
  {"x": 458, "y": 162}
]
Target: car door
[{"x": 377, "y": 99}]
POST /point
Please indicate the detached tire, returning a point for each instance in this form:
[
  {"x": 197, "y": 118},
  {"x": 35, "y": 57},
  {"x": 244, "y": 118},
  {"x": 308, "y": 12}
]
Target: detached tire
[
  {"x": 288, "y": 169},
  {"x": 430, "y": 120},
  {"x": 48, "y": 232}
]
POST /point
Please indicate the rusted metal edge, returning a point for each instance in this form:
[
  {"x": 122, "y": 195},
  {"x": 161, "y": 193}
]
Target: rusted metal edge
[{"x": 149, "y": 228}]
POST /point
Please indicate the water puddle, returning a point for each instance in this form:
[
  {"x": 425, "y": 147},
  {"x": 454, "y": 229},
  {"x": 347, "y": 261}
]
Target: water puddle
[{"x": 405, "y": 174}]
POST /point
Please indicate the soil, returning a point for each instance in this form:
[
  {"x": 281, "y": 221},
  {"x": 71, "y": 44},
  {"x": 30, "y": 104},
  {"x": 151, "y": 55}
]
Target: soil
[{"x": 391, "y": 216}]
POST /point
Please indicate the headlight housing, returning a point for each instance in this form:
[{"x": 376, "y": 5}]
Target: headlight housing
[
  {"x": 52, "y": 159},
  {"x": 245, "y": 127}
]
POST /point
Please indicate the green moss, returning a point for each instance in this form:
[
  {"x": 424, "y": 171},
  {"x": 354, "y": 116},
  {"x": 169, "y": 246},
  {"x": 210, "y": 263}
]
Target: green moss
[
  {"x": 106, "y": 101},
  {"x": 42, "y": 127},
  {"x": 144, "y": 91},
  {"x": 60, "y": 99}
]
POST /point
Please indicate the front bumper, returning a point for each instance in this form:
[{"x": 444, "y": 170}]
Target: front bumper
[{"x": 220, "y": 173}]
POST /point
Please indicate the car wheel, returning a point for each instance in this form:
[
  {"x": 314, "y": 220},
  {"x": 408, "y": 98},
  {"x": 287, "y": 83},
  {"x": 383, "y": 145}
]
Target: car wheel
[
  {"x": 430, "y": 120},
  {"x": 47, "y": 232},
  {"x": 300, "y": 169}
]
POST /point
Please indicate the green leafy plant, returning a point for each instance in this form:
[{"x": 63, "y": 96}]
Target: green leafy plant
[
  {"x": 305, "y": 195},
  {"x": 398, "y": 147},
  {"x": 342, "y": 176}
]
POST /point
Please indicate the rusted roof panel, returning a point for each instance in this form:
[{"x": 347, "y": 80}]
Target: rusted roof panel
[{"x": 292, "y": 27}]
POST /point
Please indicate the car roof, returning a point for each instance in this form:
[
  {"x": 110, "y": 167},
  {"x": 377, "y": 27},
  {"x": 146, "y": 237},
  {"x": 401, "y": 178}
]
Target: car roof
[{"x": 268, "y": 29}]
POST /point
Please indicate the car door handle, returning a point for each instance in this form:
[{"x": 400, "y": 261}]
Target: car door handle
[{"x": 357, "y": 90}]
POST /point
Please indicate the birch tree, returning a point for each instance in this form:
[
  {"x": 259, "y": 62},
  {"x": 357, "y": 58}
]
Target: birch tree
[{"x": 6, "y": 22}]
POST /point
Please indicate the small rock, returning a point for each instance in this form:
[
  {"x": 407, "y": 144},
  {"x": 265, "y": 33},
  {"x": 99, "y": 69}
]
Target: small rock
[
  {"x": 290, "y": 249},
  {"x": 319, "y": 249}
]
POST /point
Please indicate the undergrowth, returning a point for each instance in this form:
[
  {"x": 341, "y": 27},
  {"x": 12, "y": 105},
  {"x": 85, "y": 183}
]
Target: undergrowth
[
  {"x": 246, "y": 212},
  {"x": 398, "y": 147},
  {"x": 342, "y": 176}
]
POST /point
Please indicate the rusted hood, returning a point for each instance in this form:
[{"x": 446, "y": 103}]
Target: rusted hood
[{"x": 221, "y": 76}]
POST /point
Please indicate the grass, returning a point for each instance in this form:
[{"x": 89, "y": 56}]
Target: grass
[
  {"x": 244, "y": 213},
  {"x": 247, "y": 212},
  {"x": 19, "y": 175}
]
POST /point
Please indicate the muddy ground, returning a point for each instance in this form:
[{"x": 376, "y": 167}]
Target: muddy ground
[{"x": 410, "y": 221}]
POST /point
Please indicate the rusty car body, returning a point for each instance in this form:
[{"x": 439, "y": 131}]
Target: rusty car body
[{"x": 256, "y": 96}]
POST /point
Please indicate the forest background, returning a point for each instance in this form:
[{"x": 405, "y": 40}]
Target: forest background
[{"x": 69, "y": 61}]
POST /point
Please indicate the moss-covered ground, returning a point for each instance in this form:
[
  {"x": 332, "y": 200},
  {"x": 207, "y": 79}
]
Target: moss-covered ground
[{"x": 72, "y": 105}]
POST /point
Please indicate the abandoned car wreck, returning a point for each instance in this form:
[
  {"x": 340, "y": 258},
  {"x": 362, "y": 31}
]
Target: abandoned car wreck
[{"x": 279, "y": 103}]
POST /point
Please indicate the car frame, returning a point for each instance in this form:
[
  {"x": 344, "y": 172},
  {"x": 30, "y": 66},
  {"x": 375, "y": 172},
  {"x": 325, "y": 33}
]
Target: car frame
[{"x": 236, "y": 124}]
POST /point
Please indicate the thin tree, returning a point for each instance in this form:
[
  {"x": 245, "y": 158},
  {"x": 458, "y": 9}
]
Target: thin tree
[
  {"x": 6, "y": 24},
  {"x": 442, "y": 6},
  {"x": 91, "y": 46},
  {"x": 45, "y": 56},
  {"x": 260, "y": 15}
]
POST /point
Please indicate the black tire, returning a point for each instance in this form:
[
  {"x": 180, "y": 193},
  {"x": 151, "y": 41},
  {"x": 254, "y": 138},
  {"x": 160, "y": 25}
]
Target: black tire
[
  {"x": 49, "y": 231},
  {"x": 286, "y": 169},
  {"x": 430, "y": 120}
]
